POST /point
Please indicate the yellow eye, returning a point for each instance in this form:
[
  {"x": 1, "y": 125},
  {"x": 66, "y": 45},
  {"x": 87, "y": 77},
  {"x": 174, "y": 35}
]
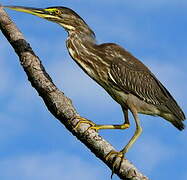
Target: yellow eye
[{"x": 57, "y": 12}]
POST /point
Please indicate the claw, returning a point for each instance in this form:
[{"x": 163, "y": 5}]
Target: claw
[
  {"x": 120, "y": 155},
  {"x": 94, "y": 127},
  {"x": 83, "y": 120}
]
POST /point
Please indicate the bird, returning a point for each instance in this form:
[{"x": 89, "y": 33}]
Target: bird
[{"x": 124, "y": 77}]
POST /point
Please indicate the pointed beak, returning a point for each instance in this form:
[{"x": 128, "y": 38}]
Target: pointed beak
[
  {"x": 43, "y": 13},
  {"x": 35, "y": 11}
]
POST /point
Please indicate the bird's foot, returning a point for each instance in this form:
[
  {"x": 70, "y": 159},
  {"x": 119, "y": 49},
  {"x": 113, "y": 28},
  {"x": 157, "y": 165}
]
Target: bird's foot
[
  {"x": 84, "y": 120},
  {"x": 120, "y": 155}
]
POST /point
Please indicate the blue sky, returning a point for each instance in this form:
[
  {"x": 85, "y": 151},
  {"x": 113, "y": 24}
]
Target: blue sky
[{"x": 34, "y": 145}]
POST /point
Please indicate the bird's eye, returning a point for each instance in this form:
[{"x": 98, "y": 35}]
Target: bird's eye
[{"x": 58, "y": 12}]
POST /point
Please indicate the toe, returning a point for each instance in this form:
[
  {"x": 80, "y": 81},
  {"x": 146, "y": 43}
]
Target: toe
[
  {"x": 83, "y": 120},
  {"x": 114, "y": 155}
]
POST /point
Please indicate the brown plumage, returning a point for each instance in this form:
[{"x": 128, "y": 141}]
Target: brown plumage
[
  {"x": 134, "y": 77},
  {"x": 124, "y": 77}
]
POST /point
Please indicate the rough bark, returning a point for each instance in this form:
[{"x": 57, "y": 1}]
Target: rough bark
[{"x": 60, "y": 105}]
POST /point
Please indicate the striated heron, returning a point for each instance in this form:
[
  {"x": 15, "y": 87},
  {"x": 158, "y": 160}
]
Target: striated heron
[{"x": 127, "y": 80}]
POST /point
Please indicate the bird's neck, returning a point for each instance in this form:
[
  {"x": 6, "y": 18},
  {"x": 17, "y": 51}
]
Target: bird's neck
[
  {"x": 80, "y": 43},
  {"x": 82, "y": 36},
  {"x": 82, "y": 48}
]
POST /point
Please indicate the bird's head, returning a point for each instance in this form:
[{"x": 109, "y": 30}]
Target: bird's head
[{"x": 65, "y": 17}]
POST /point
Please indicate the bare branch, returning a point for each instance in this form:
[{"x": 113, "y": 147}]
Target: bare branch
[{"x": 58, "y": 104}]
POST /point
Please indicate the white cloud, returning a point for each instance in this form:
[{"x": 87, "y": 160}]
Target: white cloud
[
  {"x": 150, "y": 153},
  {"x": 49, "y": 166}
]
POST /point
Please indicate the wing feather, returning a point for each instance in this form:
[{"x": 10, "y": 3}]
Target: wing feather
[
  {"x": 130, "y": 75},
  {"x": 138, "y": 82},
  {"x": 137, "y": 79}
]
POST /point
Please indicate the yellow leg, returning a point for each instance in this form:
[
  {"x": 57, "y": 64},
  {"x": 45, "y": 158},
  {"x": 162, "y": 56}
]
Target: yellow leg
[
  {"x": 122, "y": 153},
  {"x": 136, "y": 134},
  {"x": 98, "y": 127},
  {"x": 125, "y": 125}
]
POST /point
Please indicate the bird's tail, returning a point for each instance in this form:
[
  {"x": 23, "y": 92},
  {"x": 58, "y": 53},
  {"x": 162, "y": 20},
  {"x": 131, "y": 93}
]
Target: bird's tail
[
  {"x": 173, "y": 112},
  {"x": 178, "y": 115},
  {"x": 170, "y": 110},
  {"x": 178, "y": 124}
]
